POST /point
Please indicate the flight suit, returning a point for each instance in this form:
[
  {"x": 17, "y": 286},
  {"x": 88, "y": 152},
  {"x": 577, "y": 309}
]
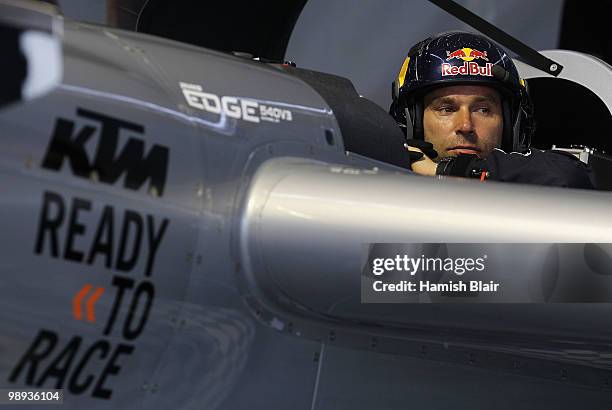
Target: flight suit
[{"x": 551, "y": 167}]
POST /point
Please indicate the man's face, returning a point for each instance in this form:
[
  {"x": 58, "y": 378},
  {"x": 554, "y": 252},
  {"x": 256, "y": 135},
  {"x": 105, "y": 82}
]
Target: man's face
[{"x": 463, "y": 119}]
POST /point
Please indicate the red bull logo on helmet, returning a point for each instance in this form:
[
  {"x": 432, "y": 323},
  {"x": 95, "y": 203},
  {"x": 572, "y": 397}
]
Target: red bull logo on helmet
[
  {"x": 468, "y": 68},
  {"x": 467, "y": 54}
]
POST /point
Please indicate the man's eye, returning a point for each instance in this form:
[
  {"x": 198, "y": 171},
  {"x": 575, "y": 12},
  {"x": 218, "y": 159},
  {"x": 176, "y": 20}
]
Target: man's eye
[
  {"x": 445, "y": 109},
  {"x": 484, "y": 110}
]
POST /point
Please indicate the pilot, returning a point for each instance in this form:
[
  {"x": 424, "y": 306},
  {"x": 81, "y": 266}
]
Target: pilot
[{"x": 466, "y": 112}]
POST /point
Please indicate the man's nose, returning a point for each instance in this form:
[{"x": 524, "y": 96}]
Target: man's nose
[{"x": 465, "y": 125}]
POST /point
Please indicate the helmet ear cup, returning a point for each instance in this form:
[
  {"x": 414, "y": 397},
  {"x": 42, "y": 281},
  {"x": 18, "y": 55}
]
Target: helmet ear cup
[{"x": 414, "y": 120}]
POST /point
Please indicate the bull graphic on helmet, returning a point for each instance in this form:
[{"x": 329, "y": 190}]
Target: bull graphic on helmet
[{"x": 467, "y": 54}]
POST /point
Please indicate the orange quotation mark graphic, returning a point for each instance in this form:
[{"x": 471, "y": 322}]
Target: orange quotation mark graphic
[{"x": 77, "y": 311}]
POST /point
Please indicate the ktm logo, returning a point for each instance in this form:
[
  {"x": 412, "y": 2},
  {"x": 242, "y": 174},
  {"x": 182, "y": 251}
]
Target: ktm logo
[
  {"x": 70, "y": 143},
  {"x": 467, "y": 54}
]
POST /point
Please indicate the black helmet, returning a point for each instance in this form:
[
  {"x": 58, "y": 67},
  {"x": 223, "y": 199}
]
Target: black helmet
[{"x": 458, "y": 57}]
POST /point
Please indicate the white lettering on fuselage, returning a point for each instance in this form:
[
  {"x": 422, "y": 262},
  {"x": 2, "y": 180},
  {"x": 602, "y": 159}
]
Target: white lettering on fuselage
[{"x": 233, "y": 107}]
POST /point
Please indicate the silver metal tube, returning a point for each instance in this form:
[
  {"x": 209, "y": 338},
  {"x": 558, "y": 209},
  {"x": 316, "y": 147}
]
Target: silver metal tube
[{"x": 305, "y": 223}]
